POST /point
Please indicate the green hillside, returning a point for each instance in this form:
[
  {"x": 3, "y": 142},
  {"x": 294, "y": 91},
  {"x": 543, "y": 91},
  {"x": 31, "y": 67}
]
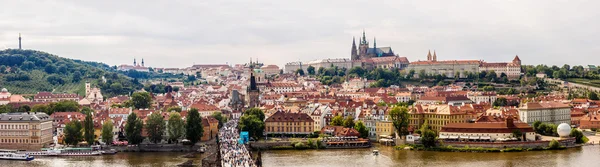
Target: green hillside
[{"x": 30, "y": 71}]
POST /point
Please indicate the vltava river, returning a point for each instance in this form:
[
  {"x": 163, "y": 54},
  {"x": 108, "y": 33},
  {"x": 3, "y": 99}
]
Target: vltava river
[{"x": 576, "y": 157}]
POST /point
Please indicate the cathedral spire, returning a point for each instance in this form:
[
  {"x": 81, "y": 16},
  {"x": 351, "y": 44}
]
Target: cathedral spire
[
  {"x": 134, "y": 63},
  {"x": 353, "y": 52},
  {"x": 142, "y": 62},
  {"x": 374, "y": 43},
  {"x": 434, "y": 56},
  {"x": 364, "y": 39}
]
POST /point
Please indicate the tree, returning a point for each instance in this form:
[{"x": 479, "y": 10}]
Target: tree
[
  {"x": 554, "y": 144},
  {"x": 337, "y": 121},
  {"x": 42, "y": 108},
  {"x": 175, "y": 126},
  {"x": 193, "y": 126},
  {"x": 88, "y": 128},
  {"x": 362, "y": 129},
  {"x": 578, "y": 135},
  {"x": 428, "y": 138},
  {"x": 133, "y": 129},
  {"x": 488, "y": 88},
  {"x": 72, "y": 132},
  {"x": 174, "y": 108},
  {"x": 116, "y": 87},
  {"x": 155, "y": 126},
  {"x": 593, "y": 96},
  {"x": 76, "y": 77},
  {"x": 256, "y": 111},
  {"x": 253, "y": 122},
  {"x": 24, "y": 108},
  {"x": 86, "y": 110},
  {"x": 348, "y": 122},
  {"x": 310, "y": 70},
  {"x": 300, "y": 72},
  {"x": 517, "y": 134},
  {"x": 218, "y": 116},
  {"x": 141, "y": 100},
  {"x": 536, "y": 125},
  {"x": 65, "y": 106},
  {"x": 321, "y": 70},
  {"x": 107, "y": 132},
  {"x": 400, "y": 117},
  {"x": 500, "y": 102}
]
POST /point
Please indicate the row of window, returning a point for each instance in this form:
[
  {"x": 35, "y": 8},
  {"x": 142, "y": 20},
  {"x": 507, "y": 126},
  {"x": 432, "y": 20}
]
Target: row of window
[
  {"x": 289, "y": 129},
  {"x": 18, "y": 141},
  {"x": 16, "y": 126},
  {"x": 293, "y": 123}
]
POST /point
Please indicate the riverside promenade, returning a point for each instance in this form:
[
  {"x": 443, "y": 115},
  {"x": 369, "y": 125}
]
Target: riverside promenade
[{"x": 233, "y": 154}]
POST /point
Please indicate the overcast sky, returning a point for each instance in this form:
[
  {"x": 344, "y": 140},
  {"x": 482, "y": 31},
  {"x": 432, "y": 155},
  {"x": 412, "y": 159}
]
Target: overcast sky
[{"x": 181, "y": 33}]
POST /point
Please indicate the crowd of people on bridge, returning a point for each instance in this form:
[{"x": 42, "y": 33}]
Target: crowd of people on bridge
[{"x": 233, "y": 154}]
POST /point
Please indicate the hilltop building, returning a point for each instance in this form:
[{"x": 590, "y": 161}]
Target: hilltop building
[
  {"x": 364, "y": 51},
  {"x": 136, "y": 67},
  {"x": 511, "y": 69},
  {"x": 446, "y": 67}
]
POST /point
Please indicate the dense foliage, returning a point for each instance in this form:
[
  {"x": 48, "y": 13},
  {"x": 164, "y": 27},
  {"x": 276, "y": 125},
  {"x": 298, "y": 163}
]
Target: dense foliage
[
  {"x": 133, "y": 129},
  {"x": 107, "y": 132},
  {"x": 252, "y": 121},
  {"x": 400, "y": 117},
  {"x": 141, "y": 100},
  {"x": 337, "y": 121},
  {"x": 362, "y": 129},
  {"x": 578, "y": 135},
  {"x": 72, "y": 133},
  {"x": 155, "y": 126},
  {"x": 29, "y": 71},
  {"x": 193, "y": 126},
  {"x": 175, "y": 127},
  {"x": 88, "y": 128}
]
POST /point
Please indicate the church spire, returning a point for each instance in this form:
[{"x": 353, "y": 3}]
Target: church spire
[
  {"x": 434, "y": 56},
  {"x": 429, "y": 55},
  {"x": 364, "y": 39},
  {"x": 353, "y": 52},
  {"x": 134, "y": 63},
  {"x": 142, "y": 62},
  {"x": 374, "y": 43}
]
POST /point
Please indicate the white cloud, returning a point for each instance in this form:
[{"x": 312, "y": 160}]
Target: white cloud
[{"x": 180, "y": 33}]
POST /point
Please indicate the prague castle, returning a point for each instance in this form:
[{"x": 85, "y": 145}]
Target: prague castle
[{"x": 364, "y": 52}]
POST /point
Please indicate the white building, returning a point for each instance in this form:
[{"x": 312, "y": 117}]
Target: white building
[
  {"x": 447, "y": 67},
  {"x": 325, "y": 63},
  {"x": 546, "y": 112},
  {"x": 510, "y": 69},
  {"x": 482, "y": 97}
]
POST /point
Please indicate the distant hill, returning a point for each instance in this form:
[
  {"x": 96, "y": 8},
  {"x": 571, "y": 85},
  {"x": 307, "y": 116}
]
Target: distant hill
[{"x": 30, "y": 71}]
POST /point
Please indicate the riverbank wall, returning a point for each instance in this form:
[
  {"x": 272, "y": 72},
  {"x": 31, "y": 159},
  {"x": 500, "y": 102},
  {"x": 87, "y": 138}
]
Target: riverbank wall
[
  {"x": 261, "y": 145},
  {"x": 568, "y": 142}
]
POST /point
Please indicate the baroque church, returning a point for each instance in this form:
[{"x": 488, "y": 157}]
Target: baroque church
[{"x": 364, "y": 51}]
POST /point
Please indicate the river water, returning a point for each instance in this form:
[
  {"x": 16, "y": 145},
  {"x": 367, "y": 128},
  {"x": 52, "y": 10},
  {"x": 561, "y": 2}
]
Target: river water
[{"x": 576, "y": 157}]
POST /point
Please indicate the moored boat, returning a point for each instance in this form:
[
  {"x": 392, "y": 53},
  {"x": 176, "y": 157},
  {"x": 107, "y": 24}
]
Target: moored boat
[
  {"x": 109, "y": 152},
  {"x": 15, "y": 156}
]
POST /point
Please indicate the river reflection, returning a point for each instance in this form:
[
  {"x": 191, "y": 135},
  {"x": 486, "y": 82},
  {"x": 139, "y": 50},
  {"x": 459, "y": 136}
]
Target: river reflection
[
  {"x": 577, "y": 157},
  {"x": 120, "y": 159},
  {"x": 585, "y": 156}
]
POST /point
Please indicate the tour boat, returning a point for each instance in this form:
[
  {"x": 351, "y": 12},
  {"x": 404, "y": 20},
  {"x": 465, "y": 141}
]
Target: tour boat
[
  {"x": 375, "y": 152},
  {"x": 15, "y": 156}
]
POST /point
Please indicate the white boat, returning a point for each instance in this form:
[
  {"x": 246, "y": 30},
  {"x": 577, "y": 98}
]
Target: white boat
[{"x": 15, "y": 156}]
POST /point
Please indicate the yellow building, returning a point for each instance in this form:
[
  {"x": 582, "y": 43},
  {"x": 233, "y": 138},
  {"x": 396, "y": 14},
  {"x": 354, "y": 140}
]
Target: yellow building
[
  {"x": 439, "y": 115},
  {"x": 384, "y": 128},
  {"x": 289, "y": 123},
  {"x": 25, "y": 131}
]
